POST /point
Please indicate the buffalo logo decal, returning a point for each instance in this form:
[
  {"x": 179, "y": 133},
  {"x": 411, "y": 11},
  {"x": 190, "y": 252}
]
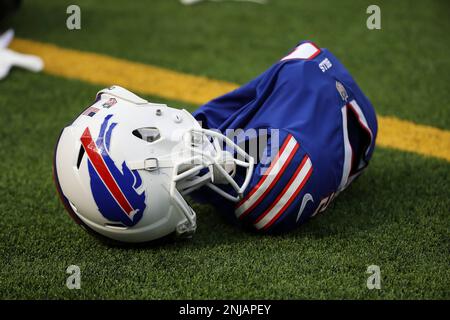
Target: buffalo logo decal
[{"x": 115, "y": 191}]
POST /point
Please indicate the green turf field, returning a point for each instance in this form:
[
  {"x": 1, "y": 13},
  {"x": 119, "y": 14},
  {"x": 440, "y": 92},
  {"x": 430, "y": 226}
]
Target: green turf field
[{"x": 396, "y": 216}]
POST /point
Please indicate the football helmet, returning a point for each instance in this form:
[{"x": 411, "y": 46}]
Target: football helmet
[{"x": 123, "y": 167}]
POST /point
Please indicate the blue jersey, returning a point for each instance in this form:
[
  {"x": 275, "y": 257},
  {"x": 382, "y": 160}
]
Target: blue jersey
[{"x": 319, "y": 133}]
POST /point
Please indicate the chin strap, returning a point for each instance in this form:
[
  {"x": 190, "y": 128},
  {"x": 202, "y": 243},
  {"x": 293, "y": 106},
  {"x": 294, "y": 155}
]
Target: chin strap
[{"x": 150, "y": 164}]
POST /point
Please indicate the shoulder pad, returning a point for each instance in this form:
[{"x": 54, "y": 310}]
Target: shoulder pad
[{"x": 304, "y": 51}]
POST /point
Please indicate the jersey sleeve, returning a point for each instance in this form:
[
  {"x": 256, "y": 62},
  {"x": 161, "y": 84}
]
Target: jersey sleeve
[{"x": 274, "y": 196}]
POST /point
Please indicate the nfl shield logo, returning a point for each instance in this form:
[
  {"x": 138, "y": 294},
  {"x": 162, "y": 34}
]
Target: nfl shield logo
[
  {"x": 340, "y": 88},
  {"x": 108, "y": 104}
]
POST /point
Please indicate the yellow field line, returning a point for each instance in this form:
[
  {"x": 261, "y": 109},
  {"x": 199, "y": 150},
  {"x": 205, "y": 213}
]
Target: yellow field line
[
  {"x": 408, "y": 136},
  {"x": 104, "y": 70}
]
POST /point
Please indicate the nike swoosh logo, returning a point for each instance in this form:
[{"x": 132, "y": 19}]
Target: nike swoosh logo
[{"x": 307, "y": 197}]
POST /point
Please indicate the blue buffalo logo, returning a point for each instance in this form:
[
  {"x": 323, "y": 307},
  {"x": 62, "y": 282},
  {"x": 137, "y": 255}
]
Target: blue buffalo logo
[{"x": 114, "y": 190}]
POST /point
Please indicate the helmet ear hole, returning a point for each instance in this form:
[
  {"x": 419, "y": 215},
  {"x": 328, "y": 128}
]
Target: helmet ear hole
[
  {"x": 137, "y": 134},
  {"x": 149, "y": 134}
]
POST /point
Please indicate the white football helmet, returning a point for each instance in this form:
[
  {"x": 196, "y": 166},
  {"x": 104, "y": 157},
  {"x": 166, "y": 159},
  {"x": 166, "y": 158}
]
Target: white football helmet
[{"x": 123, "y": 166}]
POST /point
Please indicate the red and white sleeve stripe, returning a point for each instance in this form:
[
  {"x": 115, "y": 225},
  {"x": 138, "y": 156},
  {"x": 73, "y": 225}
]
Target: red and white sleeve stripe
[
  {"x": 361, "y": 118},
  {"x": 287, "y": 196},
  {"x": 270, "y": 177},
  {"x": 348, "y": 152}
]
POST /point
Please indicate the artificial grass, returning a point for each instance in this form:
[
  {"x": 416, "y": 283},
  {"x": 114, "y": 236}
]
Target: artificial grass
[
  {"x": 395, "y": 216},
  {"x": 403, "y": 68}
]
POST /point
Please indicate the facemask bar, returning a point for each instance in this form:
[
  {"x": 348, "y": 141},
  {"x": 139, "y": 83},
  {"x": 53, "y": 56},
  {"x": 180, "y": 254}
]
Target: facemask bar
[
  {"x": 247, "y": 163},
  {"x": 190, "y": 225},
  {"x": 207, "y": 154}
]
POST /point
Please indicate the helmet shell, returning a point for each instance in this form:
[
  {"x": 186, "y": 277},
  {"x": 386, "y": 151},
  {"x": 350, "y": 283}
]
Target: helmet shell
[{"x": 94, "y": 173}]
